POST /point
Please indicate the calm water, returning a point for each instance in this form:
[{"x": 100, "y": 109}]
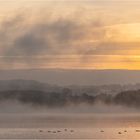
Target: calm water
[{"x": 42, "y": 126}]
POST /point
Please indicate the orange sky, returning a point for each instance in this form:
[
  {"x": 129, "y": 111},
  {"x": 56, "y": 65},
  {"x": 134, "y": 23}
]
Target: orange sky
[{"x": 70, "y": 34}]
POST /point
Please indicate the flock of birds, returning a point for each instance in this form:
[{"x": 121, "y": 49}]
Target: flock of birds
[
  {"x": 125, "y": 131},
  {"x": 57, "y": 131},
  {"x": 71, "y": 131},
  {"x": 118, "y": 132}
]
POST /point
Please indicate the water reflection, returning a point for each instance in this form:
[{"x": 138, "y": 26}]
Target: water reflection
[{"x": 40, "y": 126}]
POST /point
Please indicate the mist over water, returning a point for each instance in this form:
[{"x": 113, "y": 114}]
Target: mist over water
[
  {"x": 83, "y": 109},
  {"x": 74, "y": 122},
  {"x": 29, "y": 109},
  {"x": 70, "y": 121}
]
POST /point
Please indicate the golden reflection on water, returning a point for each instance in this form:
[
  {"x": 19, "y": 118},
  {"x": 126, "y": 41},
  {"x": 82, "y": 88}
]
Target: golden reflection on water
[{"x": 68, "y": 127}]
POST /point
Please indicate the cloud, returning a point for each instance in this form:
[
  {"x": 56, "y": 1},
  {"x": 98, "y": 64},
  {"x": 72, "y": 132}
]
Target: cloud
[
  {"x": 21, "y": 37},
  {"x": 59, "y": 41}
]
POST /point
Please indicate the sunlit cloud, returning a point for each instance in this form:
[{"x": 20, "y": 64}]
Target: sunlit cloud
[{"x": 70, "y": 36}]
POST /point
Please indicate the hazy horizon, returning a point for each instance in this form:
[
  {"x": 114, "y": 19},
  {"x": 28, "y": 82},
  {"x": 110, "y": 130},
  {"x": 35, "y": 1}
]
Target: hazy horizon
[
  {"x": 74, "y": 77},
  {"x": 70, "y": 42},
  {"x": 70, "y": 69}
]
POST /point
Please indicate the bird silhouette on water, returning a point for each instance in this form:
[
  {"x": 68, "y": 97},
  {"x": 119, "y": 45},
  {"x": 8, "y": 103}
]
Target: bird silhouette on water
[{"x": 40, "y": 131}]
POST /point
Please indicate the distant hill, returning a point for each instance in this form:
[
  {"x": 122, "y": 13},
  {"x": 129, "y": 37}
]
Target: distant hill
[
  {"x": 20, "y": 84},
  {"x": 32, "y": 85},
  {"x": 74, "y": 77}
]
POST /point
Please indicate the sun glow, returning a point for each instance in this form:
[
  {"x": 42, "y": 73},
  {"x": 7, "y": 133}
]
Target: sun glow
[
  {"x": 82, "y": 34},
  {"x": 126, "y": 32}
]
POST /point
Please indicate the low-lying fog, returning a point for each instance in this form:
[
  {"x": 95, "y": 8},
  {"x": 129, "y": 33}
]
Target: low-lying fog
[
  {"x": 19, "y": 120},
  {"x": 83, "y": 109}
]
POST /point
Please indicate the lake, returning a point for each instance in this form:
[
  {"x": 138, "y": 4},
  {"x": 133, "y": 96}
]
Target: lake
[{"x": 80, "y": 126}]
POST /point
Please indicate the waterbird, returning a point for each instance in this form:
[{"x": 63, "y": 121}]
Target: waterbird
[
  {"x": 119, "y": 133},
  {"x": 40, "y": 130},
  {"x": 137, "y": 130},
  {"x": 101, "y": 131},
  {"x": 71, "y": 130}
]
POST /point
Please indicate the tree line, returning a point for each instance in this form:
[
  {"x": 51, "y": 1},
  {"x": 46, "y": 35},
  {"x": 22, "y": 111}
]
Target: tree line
[{"x": 66, "y": 97}]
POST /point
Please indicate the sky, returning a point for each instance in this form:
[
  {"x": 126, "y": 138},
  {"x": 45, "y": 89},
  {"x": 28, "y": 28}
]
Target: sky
[{"x": 70, "y": 34}]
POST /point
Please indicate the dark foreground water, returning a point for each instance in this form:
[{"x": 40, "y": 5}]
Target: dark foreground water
[{"x": 95, "y": 126}]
